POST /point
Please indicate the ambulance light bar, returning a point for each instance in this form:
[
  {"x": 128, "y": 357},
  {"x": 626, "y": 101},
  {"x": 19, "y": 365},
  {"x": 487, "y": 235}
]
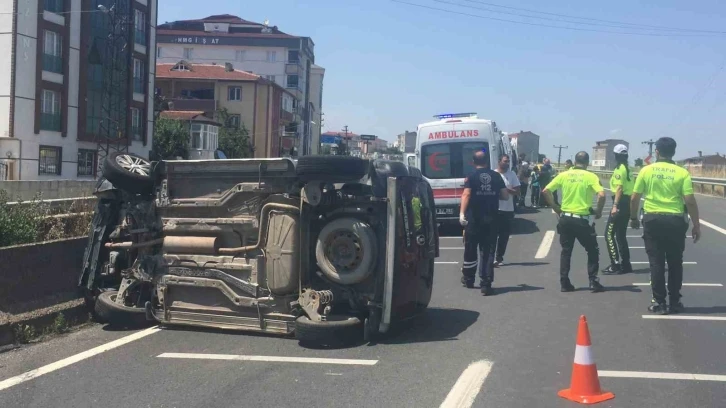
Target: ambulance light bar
[{"x": 456, "y": 115}]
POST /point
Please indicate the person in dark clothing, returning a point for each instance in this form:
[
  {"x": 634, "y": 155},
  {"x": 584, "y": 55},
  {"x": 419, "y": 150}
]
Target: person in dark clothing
[
  {"x": 578, "y": 188},
  {"x": 535, "y": 185},
  {"x": 546, "y": 175},
  {"x": 523, "y": 172},
  {"x": 568, "y": 164},
  {"x": 616, "y": 229},
  {"x": 483, "y": 189},
  {"x": 668, "y": 192}
]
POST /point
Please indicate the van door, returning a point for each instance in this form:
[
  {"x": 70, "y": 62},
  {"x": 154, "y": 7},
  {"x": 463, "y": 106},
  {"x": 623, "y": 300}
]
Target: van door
[{"x": 412, "y": 239}]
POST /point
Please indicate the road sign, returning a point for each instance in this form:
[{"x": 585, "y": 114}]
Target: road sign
[{"x": 367, "y": 137}]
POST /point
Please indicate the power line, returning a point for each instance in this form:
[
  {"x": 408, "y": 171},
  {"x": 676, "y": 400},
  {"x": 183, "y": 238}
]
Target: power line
[
  {"x": 655, "y": 27},
  {"x": 547, "y": 25}
]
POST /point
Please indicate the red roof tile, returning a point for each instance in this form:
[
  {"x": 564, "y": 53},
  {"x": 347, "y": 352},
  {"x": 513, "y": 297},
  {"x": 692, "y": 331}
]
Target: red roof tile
[{"x": 204, "y": 71}]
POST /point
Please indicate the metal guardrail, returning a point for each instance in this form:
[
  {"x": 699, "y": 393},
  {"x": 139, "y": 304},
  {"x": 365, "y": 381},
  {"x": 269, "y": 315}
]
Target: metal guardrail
[{"x": 703, "y": 181}]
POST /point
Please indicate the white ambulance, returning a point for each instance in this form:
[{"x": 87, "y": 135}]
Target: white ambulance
[{"x": 444, "y": 153}]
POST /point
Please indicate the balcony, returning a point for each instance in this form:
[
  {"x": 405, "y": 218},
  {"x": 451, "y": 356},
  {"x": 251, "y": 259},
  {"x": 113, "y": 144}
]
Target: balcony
[
  {"x": 183, "y": 104},
  {"x": 287, "y": 116},
  {"x": 55, "y": 6},
  {"x": 52, "y": 63},
  {"x": 50, "y": 121},
  {"x": 293, "y": 69}
]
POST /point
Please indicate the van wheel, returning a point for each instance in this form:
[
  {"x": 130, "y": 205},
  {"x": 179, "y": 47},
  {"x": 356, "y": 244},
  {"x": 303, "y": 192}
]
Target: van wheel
[
  {"x": 336, "y": 169},
  {"x": 338, "y": 330},
  {"x": 129, "y": 172},
  {"x": 117, "y": 314},
  {"x": 346, "y": 250}
]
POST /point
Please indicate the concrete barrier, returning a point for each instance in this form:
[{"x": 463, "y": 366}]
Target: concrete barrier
[
  {"x": 35, "y": 271},
  {"x": 49, "y": 189}
]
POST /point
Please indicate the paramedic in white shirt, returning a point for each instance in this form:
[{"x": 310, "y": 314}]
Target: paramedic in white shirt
[{"x": 503, "y": 222}]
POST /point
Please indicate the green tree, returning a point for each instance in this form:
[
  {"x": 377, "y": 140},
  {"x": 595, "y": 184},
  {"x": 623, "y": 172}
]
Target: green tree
[
  {"x": 233, "y": 141},
  {"x": 171, "y": 139}
]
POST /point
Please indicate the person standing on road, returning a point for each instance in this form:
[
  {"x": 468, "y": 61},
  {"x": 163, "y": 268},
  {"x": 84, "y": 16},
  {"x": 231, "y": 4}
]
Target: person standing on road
[
  {"x": 616, "y": 229},
  {"x": 535, "y": 183},
  {"x": 546, "y": 175},
  {"x": 483, "y": 189},
  {"x": 666, "y": 188},
  {"x": 568, "y": 164},
  {"x": 503, "y": 223},
  {"x": 523, "y": 173},
  {"x": 578, "y": 188}
]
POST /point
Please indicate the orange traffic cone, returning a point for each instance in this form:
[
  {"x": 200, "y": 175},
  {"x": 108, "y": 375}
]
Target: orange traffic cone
[{"x": 585, "y": 384}]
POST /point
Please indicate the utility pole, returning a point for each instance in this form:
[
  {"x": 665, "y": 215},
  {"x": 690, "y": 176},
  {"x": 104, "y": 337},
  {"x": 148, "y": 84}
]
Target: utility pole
[
  {"x": 650, "y": 144},
  {"x": 559, "y": 153},
  {"x": 347, "y": 144}
]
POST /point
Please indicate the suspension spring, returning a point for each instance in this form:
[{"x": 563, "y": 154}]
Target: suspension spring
[{"x": 325, "y": 296}]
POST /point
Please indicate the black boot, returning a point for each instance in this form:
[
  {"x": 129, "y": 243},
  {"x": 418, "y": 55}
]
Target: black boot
[
  {"x": 613, "y": 269},
  {"x": 596, "y": 287},
  {"x": 486, "y": 290},
  {"x": 566, "y": 286},
  {"x": 469, "y": 284}
]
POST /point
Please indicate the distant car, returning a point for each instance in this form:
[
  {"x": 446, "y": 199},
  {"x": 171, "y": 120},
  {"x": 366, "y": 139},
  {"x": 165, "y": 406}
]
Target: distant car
[{"x": 331, "y": 248}]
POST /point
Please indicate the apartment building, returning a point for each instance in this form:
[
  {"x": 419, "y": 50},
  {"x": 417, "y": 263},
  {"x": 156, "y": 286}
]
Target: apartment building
[
  {"x": 263, "y": 107},
  {"x": 67, "y": 86},
  {"x": 261, "y": 49}
]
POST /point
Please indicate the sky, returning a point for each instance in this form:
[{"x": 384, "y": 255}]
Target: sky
[{"x": 390, "y": 66}]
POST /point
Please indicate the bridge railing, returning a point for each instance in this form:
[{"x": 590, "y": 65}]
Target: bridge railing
[{"x": 706, "y": 185}]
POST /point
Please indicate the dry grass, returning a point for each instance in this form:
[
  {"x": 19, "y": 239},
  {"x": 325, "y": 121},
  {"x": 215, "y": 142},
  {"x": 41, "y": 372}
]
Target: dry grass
[{"x": 718, "y": 172}]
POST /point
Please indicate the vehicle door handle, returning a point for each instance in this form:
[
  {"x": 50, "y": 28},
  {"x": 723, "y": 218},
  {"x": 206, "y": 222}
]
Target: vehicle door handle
[{"x": 463, "y": 185}]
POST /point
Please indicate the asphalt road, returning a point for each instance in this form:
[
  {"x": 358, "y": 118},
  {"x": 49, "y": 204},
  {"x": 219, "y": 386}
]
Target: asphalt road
[{"x": 526, "y": 332}]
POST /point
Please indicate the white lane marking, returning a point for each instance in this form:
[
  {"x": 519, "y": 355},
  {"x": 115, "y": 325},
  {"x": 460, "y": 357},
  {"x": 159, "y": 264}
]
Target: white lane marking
[
  {"x": 446, "y": 263},
  {"x": 272, "y": 359},
  {"x": 637, "y": 236},
  {"x": 713, "y": 227},
  {"x": 661, "y": 376},
  {"x": 636, "y": 247},
  {"x": 451, "y": 237},
  {"x": 648, "y": 263},
  {"x": 451, "y": 247},
  {"x": 714, "y": 285},
  {"x": 27, "y": 376},
  {"x": 467, "y": 387},
  {"x": 544, "y": 247},
  {"x": 685, "y": 317}
]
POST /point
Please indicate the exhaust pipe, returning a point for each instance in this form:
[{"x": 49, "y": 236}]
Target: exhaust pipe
[{"x": 191, "y": 245}]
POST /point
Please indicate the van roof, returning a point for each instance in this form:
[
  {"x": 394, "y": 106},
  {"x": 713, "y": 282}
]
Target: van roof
[{"x": 474, "y": 120}]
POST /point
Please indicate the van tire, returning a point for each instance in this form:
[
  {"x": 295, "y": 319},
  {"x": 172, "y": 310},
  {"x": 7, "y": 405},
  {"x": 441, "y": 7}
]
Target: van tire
[
  {"x": 353, "y": 232},
  {"x": 338, "y": 330},
  {"x": 335, "y": 169},
  {"x": 116, "y": 170},
  {"x": 118, "y": 315}
]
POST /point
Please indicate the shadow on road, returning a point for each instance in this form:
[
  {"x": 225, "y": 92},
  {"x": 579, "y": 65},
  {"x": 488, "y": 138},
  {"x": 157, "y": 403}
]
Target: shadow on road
[
  {"x": 519, "y": 288},
  {"x": 626, "y": 288},
  {"x": 435, "y": 324},
  {"x": 522, "y": 226},
  {"x": 641, "y": 271},
  {"x": 523, "y": 264}
]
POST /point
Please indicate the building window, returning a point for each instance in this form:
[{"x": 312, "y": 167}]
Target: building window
[
  {"x": 52, "y": 56},
  {"x": 86, "y": 162},
  {"x": 188, "y": 53},
  {"x": 234, "y": 121},
  {"x": 204, "y": 137},
  {"x": 136, "y": 128},
  {"x": 292, "y": 81},
  {"x": 55, "y": 6},
  {"x": 139, "y": 27},
  {"x": 271, "y": 56},
  {"x": 293, "y": 56},
  {"x": 270, "y": 78},
  {"x": 234, "y": 93},
  {"x": 138, "y": 76},
  {"x": 50, "y": 113},
  {"x": 239, "y": 55},
  {"x": 50, "y": 160}
]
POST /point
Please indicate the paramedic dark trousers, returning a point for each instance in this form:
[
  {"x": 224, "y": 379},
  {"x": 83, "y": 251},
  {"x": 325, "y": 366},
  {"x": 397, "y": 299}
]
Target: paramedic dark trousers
[
  {"x": 535, "y": 196},
  {"x": 570, "y": 230},
  {"x": 616, "y": 233},
  {"x": 503, "y": 226},
  {"x": 665, "y": 240},
  {"x": 478, "y": 237}
]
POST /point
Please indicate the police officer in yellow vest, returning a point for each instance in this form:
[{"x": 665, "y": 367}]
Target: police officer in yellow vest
[
  {"x": 578, "y": 188},
  {"x": 666, "y": 188},
  {"x": 616, "y": 230}
]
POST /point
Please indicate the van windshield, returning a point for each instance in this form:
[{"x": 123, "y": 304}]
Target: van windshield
[{"x": 449, "y": 160}]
